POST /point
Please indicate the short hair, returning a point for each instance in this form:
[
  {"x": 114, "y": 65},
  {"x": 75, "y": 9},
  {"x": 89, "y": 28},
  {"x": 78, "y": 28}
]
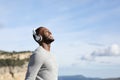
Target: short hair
[{"x": 38, "y": 29}]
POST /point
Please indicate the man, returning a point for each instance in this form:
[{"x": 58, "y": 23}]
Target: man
[{"x": 42, "y": 64}]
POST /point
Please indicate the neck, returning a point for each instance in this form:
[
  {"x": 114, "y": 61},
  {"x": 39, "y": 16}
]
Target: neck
[{"x": 46, "y": 46}]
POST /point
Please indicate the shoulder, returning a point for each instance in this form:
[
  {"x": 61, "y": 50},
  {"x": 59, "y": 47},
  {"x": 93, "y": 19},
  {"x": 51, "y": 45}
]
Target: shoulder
[
  {"x": 37, "y": 57},
  {"x": 38, "y": 53}
]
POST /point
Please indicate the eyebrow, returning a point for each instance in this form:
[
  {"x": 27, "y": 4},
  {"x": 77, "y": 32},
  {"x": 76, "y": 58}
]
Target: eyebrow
[{"x": 47, "y": 30}]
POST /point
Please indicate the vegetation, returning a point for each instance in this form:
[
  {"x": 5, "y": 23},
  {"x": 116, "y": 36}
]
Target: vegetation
[
  {"x": 14, "y": 52},
  {"x": 12, "y": 61}
]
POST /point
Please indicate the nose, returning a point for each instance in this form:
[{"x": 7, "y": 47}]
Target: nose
[{"x": 50, "y": 32}]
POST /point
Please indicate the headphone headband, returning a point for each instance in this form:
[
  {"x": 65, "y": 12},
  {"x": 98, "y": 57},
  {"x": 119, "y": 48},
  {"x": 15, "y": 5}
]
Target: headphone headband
[{"x": 34, "y": 32}]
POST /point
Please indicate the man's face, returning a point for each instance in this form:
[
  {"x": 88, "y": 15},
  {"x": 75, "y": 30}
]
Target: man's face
[{"x": 47, "y": 35}]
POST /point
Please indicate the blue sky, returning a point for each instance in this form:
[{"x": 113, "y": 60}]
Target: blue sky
[{"x": 86, "y": 32}]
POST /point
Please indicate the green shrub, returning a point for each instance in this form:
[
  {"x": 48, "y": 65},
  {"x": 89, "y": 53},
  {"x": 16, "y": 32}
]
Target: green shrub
[{"x": 12, "y": 62}]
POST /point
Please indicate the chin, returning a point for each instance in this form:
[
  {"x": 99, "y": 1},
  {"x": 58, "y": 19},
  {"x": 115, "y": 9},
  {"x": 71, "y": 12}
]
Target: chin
[{"x": 49, "y": 41}]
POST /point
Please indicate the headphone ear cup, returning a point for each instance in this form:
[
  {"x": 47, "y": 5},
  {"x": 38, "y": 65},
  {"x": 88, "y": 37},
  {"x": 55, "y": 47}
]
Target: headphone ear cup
[{"x": 37, "y": 37}]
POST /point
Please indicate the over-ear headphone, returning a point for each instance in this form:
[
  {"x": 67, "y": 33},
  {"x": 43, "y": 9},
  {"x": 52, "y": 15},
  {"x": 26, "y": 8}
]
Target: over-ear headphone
[{"x": 37, "y": 37}]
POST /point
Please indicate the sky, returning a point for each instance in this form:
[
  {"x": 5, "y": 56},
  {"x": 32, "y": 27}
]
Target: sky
[{"x": 86, "y": 32}]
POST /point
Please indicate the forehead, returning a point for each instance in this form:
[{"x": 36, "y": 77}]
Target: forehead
[{"x": 42, "y": 30}]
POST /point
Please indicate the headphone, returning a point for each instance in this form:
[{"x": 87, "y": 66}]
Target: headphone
[{"x": 37, "y": 38}]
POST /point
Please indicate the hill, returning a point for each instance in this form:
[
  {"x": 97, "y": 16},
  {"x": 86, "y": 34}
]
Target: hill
[{"x": 80, "y": 77}]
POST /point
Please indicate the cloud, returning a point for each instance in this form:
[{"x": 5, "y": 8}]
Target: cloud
[
  {"x": 111, "y": 51},
  {"x": 87, "y": 58}
]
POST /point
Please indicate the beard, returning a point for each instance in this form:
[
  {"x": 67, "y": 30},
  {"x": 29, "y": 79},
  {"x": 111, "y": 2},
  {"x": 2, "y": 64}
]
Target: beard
[{"x": 48, "y": 40}]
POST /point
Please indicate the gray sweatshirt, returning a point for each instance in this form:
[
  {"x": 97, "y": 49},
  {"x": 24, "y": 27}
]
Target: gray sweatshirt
[{"x": 42, "y": 66}]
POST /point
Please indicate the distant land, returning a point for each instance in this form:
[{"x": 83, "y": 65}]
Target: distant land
[
  {"x": 80, "y": 77},
  {"x": 13, "y": 66}
]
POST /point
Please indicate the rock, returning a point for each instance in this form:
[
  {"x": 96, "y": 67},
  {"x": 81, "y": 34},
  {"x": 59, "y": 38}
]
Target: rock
[{"x": 13, "y": 71}]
